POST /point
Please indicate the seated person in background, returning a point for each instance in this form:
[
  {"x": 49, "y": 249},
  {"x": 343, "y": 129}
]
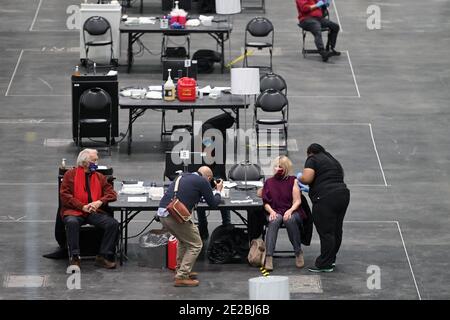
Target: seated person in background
[
  {"x": 192, "y": 187},
  {"x": 282, "y": 198},
  {"x": 311, "y": 18},
  {"x": 85, "y": 194}
]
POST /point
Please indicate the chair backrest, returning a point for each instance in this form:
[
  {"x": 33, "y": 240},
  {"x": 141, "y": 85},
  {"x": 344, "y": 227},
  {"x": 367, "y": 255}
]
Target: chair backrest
[
  {"x": 96, "y": 26},
  {"x": 95, "y": 103},
  {"x": 271, "y": 100},
  {"x": 237, "y": 172},
  {"x": 273, "y": 81},
  {"x": 259, "y": 27}
]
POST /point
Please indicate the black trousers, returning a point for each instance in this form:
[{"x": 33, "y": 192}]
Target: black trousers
[
  {"x": 103, "y": 221},
  {"x": 257, "y": 218},
  {"x": 315, "y": 27},
  {"x": 328, "y": 216}
]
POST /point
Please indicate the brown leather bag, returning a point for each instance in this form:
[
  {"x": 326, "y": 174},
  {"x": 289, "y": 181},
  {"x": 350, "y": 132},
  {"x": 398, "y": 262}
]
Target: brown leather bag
[
  {"x": 257, "y": 253},
  {"x": 176, "y": 208}
]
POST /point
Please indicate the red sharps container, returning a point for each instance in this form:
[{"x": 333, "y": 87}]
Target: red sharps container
[
  {"x": 172, "y": 253},
  {"x": 186, "y": 89}
]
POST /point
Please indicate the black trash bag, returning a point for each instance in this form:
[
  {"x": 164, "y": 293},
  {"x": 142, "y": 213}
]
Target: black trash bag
[
  {"x": 176, "y": 52},
  {"x": 206, "y": 59},
  {"x": 220, "y": 122},
  {"x": 228, "y": 245}
]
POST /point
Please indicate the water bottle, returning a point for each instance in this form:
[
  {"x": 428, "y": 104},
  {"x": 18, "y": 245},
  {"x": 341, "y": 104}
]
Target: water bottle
[
  {"x": 63, "y": 163},
  {"x": 76, "y": 72}
]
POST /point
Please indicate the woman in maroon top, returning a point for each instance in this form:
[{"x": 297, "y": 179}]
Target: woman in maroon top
[{"x": 281, "y": 197}]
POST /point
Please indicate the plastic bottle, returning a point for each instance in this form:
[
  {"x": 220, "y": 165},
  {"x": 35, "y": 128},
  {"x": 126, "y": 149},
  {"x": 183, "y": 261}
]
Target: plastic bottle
[
  {"x": 63, "y": 163},
  {"x": 76, "y": 72},
  {"x": 164, "y": 22},
  {"x": 169, "y": 88}
]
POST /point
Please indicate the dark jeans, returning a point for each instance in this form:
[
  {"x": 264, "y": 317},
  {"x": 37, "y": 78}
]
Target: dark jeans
[
  {"x": 203, "y": 221},
  {"x": 315, "y": 27},
  {"x": 293, "y": 230},
  {"x": 102, "y": 221},
  {"x": 328, "y": 216}
]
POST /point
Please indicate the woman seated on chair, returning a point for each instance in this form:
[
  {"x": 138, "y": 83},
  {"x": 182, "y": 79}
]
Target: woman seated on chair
[{"x": 282, "y": 197}]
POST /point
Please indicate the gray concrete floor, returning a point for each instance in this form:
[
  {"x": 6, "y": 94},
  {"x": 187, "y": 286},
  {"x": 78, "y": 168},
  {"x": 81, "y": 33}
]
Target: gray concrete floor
[{"x": 381, "y": 108}]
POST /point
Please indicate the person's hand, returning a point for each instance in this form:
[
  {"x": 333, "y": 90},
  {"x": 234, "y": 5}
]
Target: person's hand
[
  {"x": 95, "y": 205},
  {"x": 287, "y": 215},
  {"x": 259, "y": 192},
  {"x": 319, "y": 4},
  {"x": 272, "y": 216},
  {"x": 87, "y": 208},
  {"x": 327, "y": 3},
  {"x": 219, "y": 185}
]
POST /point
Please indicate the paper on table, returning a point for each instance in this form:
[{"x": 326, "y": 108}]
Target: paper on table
[
  {"x": 242, "y": 201},
  {"x": 206, "y": 89},
  {"x": 147, "y": 20},
  {"x": 222, "y": 88},
  {"x": 137, "y": 199},
  {"x": 155, "y": 88},
  {"x": 254, "y": 183},
  {"x": 154, "y": 95},
  {"x": 229, "y": 184}
]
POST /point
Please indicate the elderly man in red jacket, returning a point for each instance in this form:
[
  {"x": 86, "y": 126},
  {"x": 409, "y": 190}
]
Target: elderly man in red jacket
[
  {"x": 84, "y": 195},
  {"x": 311, "y": 18}
]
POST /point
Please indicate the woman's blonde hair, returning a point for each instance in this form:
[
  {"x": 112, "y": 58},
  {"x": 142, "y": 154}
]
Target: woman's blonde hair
[{"x": 285, "y": 163}]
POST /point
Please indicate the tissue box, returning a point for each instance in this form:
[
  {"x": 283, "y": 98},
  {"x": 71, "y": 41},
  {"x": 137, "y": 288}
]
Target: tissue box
[{"x": 156, "y": 193}]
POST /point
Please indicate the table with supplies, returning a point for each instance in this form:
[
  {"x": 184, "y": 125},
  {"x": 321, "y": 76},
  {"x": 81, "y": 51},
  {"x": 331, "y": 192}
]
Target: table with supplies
[
  {"x": 134, "y": 198},
  {"x": 137, "y": 108},
  {"x": 219, "y": 31}
]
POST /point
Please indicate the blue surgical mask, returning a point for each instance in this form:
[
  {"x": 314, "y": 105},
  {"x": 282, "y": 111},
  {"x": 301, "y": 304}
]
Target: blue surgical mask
[{"x": 92, "y": 166}]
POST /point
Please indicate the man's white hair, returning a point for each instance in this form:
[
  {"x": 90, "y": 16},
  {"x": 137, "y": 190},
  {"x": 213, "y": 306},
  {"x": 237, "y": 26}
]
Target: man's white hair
[{"x": 84, "y": 157}]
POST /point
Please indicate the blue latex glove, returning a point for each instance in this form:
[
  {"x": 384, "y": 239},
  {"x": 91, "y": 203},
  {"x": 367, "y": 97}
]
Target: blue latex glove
[
  {"x": 303, "y": 187},
  {"x": 320, "y": 3}
]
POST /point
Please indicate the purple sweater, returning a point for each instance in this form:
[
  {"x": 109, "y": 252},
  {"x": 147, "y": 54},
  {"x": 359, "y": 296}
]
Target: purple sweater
[{"x": 278, "y": 193}]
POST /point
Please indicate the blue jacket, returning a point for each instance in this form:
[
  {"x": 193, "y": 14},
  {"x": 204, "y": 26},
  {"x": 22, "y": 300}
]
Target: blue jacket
[{"x": 191, "y": 188}]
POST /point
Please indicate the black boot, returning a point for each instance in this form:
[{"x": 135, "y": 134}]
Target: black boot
[
  {"x": 334, "y": 52},
  {"x": 325, "y": 55}
]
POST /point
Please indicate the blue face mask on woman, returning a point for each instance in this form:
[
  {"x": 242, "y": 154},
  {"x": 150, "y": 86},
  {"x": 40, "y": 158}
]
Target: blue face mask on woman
[{"x": 93, "y": 166}]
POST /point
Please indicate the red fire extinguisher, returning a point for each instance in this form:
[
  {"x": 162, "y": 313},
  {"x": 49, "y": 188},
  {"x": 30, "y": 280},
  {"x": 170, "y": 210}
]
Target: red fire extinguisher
[{"x": 172, "y": 253}]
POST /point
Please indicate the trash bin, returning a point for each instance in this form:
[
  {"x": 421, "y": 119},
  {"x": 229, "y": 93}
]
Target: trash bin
[
  {"x": 152, "y": 249},
  {"x": 269, "y": 288}
]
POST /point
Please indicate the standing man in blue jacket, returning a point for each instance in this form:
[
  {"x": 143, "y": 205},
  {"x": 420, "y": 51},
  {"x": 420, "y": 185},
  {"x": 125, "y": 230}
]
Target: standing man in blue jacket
[{"x": 192, "y": 186}]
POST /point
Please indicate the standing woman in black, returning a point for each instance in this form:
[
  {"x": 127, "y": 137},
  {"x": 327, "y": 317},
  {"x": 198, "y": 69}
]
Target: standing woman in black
[{"x": 330, "y": 198}]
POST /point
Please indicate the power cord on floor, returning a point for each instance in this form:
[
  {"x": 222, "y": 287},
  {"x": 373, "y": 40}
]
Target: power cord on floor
[{"x": 143, "y": 230}]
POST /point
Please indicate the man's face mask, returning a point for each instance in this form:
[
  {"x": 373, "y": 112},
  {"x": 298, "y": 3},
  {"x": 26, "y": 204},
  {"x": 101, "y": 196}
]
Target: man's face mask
[{"x": 92, "y": 166}]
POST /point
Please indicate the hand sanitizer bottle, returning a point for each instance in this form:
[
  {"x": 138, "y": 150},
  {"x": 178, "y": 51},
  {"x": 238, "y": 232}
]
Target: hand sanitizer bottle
[{"x": 169, "y": 88}]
